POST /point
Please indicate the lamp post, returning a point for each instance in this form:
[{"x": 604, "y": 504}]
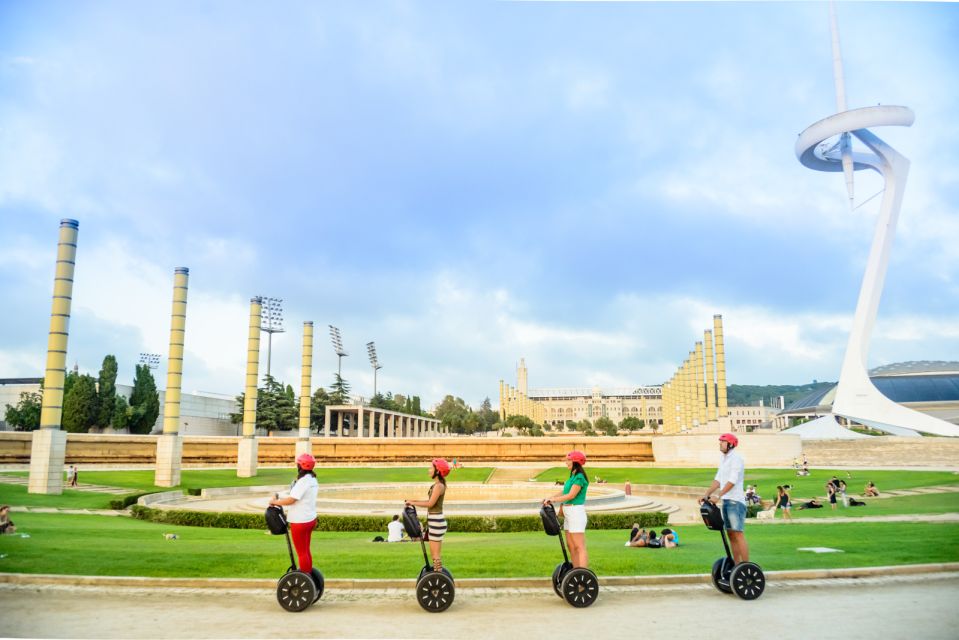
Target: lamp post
[
  {"x": 271, "y": 314},
  {"x": 151, "y": 360},
  {"x": 338, "y": 348},
  {"x": 371, "y": 350}
]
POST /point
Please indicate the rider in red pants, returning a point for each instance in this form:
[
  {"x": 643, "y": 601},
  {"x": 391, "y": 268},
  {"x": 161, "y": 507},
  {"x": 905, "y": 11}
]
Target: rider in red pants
[{"x": 302, "y": 512}]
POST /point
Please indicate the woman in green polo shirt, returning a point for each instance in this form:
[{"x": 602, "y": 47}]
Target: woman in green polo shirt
[{"x": 573, "y": 508}]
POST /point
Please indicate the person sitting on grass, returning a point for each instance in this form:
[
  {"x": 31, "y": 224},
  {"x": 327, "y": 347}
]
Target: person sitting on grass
[
  {"x": 871, "y": 491},
  {"x": 669, "y": 538},
  {"x": 6, "y": 524},
  {"x": 812, "y": 504},
  {"x": 637, "y": 536}
]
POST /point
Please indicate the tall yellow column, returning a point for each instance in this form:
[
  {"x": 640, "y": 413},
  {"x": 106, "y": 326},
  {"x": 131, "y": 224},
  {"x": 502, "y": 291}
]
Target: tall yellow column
[
  {"x": 247, "y": 453},
  {"x": 502, "y": 402},
  {"x": 665, "y": 396},
  {"x": 720, "y": 366},
  {"x": 170, "y": 445},
  {"x": 710, "y": 377},
  {"x": 690, "y": 391},
  {"x": 521, "y": 376},
  {"x": 49, "y": 446},
  {"x": 684, "y": 397},
  {"x": 303, "y": 444},
  {"x": 700, "y": 390}
]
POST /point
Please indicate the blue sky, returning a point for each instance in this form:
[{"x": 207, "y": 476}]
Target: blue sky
[{"x": 582, "y": 185}]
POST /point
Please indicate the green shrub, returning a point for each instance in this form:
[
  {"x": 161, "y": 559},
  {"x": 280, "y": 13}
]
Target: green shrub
[
  {"x": 459, "y": 524},
  {"x": 194, "y": 491},
  {"x": 122, "y": 503},
  {"x": 752, "y": 510}
]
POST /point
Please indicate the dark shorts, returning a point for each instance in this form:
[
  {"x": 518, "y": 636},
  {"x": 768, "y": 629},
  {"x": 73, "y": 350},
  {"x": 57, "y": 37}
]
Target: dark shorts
[{"x": 832, "y": 498}]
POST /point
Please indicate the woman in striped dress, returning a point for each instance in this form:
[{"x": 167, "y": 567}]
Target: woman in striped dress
[{"x": 435, "y": 520}]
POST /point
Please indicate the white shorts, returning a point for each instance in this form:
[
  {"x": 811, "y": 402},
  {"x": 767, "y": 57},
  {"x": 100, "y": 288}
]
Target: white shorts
[{"x": 574, "y": 518}]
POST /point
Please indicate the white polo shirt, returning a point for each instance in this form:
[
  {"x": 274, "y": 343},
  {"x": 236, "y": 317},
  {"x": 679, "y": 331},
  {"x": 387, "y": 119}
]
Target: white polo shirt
[
  {"x": 396, "y": 531},
  {"x": 732, "y": 469},
  {"x": 304, "y": 509}
]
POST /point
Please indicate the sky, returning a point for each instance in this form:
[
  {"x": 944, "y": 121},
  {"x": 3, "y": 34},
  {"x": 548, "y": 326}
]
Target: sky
[{"x": 582, "y": 185}]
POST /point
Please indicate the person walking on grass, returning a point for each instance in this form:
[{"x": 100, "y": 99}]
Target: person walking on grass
[
  {"x": 783, "y": 502},
  {"x": 729, "y": 480},
  {"x": 435, "y": 520},
  {"x": 573, "y": 508},
  {"x": 831, "y": 494},
  {"x": 302, "y": 513}
]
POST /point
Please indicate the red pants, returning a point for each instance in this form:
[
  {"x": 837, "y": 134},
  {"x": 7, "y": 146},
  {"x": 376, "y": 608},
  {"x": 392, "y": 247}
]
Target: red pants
[{"x": 301, "y": 532}]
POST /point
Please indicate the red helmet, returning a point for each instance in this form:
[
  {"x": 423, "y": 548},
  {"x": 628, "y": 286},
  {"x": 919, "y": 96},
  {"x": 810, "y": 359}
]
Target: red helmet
[
  {"x": 730, "y": 438},
  {"x": 306, "y": 461},
  {"x": 576, "y": 456},
  {"x": 442, "y": 466}
]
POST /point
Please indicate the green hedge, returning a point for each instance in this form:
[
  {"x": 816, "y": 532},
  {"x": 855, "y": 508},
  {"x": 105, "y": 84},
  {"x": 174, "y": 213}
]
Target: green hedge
[
  {"x": 124, "y": 502},
  {"x": 460, "y": 524}
]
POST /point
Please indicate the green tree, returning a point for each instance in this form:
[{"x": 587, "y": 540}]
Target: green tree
[
  {"x": 80, "y": 405},
  {"x": 275, "y": 406},
  {"x": 107, "y": 391},
  {"x": 68, "y": 382},
  {"x": 318, "y": 409},
  {"x": 452, "y": 413},
  {"x": 487, "y": 416},
  {"x": 631, "y": 423},
  {"x": 415, "y": 408},
  {"x": 144, "y": 401},
  {"x": 26, "y": 415},
  {"x": 236, "y": 417},
  {"x": 339, "y": 391},
  {"x": 522, "y": 424},
  {"x": 121, "y": 413},
  {"x": 606, "y": 426}
]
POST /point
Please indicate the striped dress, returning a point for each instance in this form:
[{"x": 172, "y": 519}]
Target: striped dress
[{"x": 435, "y": 520}]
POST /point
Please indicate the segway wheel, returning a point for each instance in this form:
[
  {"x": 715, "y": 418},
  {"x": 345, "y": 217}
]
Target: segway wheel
[
  {"x": 435, "y": 591},
  {"x": 747, "y": 581},
  {"x": 318, "y": 582},
  {"x": 296, "y": 591},
  {"x": 558, "y": 574},
  {"x": 580, "y": 587},
  {"x": 721, "y": 570}
]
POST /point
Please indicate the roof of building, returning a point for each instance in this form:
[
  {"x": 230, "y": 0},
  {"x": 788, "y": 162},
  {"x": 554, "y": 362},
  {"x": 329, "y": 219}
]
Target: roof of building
[{"x": 918, "y": 381}]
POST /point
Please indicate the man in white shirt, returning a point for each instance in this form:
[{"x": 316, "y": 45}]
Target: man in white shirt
[
  {"x": 729, "y": 480},
  {"x": 395, "y": 530}
]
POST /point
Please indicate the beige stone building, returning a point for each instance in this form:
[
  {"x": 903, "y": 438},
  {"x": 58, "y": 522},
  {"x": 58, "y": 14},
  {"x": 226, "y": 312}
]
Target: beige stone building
[{"x": 564, "y": 405}]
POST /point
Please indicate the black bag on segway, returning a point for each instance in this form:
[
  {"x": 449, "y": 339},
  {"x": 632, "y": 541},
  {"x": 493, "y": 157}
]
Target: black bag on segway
[
  {"x": 275, "y": 520},
  {"x": 712, "y": 516},
  {"x": 550, "y": 521},
  {"x": 411, "y": 523}
]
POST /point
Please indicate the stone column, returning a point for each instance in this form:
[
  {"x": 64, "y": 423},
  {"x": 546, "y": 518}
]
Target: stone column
[
  {"x": 327, "y": 422},
  {"x": 49, "y": 447},
  {"x": 381, "y": 428},
  {"x": 710, "y": 376},
  {"x": 359, "y": 422},
  {"x": 303, "y": 444},
  {"x": 247, "y": 452},
  {"x": 700, "y": 389},
  {"x": 723, "y": 410},
  {"x": 339, "y": 424},
  {"x": 170, "y": 445}
]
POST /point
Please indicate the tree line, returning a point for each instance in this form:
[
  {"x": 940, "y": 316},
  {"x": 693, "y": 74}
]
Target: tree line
[{"x": 90, "y": 402}]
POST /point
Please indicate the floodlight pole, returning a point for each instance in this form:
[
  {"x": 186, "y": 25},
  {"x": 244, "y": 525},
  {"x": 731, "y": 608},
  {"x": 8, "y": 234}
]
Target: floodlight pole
[
  {"x": 337, "y": 341},
  {"x": 374, "y": 362},
  {"x": 272, "y": 322}
]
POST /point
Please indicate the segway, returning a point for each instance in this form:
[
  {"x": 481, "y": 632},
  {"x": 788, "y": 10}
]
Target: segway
[
  {"x": 435, "y": 590},
  {"x": 576, "y": 585},
  {"x": 296, "y": 590},
  {"x": 746, "y": 579}
]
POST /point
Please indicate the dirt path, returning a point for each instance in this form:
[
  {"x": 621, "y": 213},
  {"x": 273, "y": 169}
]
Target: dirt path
[
  {"x": 901, "y": 607},
  {"x": 508, "y": 475}
]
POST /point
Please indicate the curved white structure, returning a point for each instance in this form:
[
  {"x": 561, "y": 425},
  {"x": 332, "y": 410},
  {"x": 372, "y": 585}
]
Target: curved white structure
[{"x": 856, "y": 397}]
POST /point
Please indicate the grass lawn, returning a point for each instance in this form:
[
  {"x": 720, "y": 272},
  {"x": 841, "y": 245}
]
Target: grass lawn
[
  {"x": 142, "y": 479},
  {"x": 16, "y": 495},
  {"x": 902, "y": 505},
  {"x": 103, "y": 545},
  {"x": 767, "y": 479}
]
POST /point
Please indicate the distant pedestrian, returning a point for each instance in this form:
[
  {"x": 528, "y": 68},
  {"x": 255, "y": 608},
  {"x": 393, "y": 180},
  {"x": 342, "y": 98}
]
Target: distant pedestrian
[
  {"x": 831, "y": 494},
  {"x": 70, "y": 473},
  {"x": 842, "y": 493},
  {"x": 628, "y": 488},
  {"x": 783, "y": 502},
  {"x": 76, "y": 475}
]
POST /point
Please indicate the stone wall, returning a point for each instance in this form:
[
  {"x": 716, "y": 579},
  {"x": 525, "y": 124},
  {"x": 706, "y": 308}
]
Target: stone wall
[
  {"x": 758, "y": 450},
  {"x": 884, "y": 451},
  {"x": 126, "y": 449}
]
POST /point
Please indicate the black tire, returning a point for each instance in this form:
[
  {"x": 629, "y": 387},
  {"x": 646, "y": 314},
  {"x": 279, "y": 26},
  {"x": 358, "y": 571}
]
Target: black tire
[
  {"x": 721, "y": 570},
  {"x": 558, "y": 574},
  {"x": 747, "y": 581},
  {"x": 435, "y": 591},
  {"x": 448, "y": 574},
  {"x": 580, "y": 587},
  {"x": 319, "y": 582},
  {"x": 296, "y": 591}
]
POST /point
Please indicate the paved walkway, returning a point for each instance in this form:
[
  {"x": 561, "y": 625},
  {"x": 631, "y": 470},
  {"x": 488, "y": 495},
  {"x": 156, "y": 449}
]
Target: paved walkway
[
  {"x": 896, "y": 607},
  {"x": 93, "y": 488}
]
